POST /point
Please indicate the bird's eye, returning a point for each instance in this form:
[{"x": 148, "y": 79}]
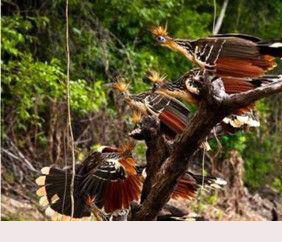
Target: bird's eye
[
  {"x": 161, "y": 39},
  {"x": 155, "y": 86}
]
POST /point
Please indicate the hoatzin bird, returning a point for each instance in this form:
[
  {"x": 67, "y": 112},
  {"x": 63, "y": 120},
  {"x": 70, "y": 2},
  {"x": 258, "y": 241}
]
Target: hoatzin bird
[
  {"x": 235, "y": 55},
  {"x": 173, "y": 115},
  {"x": 109, "y": 180},
  {"x": 188, "y": 88}
]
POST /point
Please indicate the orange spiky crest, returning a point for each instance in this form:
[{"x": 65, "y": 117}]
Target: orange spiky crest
[
  {"x": 121, "y": 86},
  {"x": 136, "y": 117},
  {"x": 155, "y": 77},
  {"x": 159, "y": 31},
  {"x": 126, "y": 149}
]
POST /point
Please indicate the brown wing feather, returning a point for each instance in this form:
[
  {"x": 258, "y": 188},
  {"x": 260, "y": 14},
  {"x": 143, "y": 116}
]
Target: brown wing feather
[
  {"x": 128, "y": 165},
  {"x": 184, "y": 189},
  {"x": 235, "y": 56},
  {"x": 244, "y": 110},
  {"x": 120, "y": 194},
  {"x": 238, "y": 68},
  {"x": 126, "y": 199},
  {"x": 235, "y": 85},
  {"x": 172, "y": 122}
]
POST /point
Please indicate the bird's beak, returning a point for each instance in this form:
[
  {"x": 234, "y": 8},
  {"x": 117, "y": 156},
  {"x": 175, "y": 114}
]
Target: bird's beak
[{"x": 110, "y": 84}]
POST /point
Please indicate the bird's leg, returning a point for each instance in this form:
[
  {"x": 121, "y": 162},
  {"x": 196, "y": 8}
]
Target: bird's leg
[{"x": 98, "y": 213}]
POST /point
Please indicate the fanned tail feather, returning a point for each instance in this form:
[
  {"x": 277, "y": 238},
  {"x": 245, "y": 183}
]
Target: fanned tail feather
[{"x": 55, "y": 193}]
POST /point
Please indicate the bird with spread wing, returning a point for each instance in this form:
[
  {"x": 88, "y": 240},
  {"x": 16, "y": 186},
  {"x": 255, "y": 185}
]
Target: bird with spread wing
[{"x": 105, "y": 181}]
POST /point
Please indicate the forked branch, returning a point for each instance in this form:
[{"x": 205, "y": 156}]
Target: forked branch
[{"x": 214, "y": 109}]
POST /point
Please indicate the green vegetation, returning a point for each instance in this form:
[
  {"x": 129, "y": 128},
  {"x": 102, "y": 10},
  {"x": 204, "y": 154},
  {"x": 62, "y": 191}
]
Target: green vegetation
[{"x": 109, "y": 38}]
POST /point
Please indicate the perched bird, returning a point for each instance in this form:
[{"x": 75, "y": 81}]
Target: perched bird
[
  {"x": 109, "y": 180},
  {"x": 188, "y": 88},
  {"x": 232, "y": 85},
  {"x": 234, "y": 55},
  {"x": 172, "y": 114}
]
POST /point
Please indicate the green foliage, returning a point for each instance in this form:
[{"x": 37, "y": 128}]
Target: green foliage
[
  {"x": 277, "y": 184},
  {"x": 140, "y": 150},
  {"x": 259, "y": 18},
  {"x": 263, "y": 149},
  {"x": 236, "y": 141},
  {"x": 85, "y": 98},
  {"x": 29, "y": 83}
]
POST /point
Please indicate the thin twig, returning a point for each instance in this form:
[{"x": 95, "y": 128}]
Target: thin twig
[
  {"x": 21, "y": 156},
  {"x": 214, "y": 15},
  {"x": 69, "y": 112},
  {"x": 221, "y": 17},
  {"x": 203, "y": 169},
  {"x": 29, "y": 165}
]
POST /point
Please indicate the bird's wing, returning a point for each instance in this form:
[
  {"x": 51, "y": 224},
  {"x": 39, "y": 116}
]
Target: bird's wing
[
  {"x": 110, "y": 185},
  {"x": 170, "y": 111},
  {"x": 232, "y": 56}
]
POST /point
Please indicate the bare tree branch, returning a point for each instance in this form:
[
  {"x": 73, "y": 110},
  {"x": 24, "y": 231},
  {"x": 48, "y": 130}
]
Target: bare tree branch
[
  {"x": 157, "y": 150},
  {"x": 216, "y": 106},
  {"x": 21, "y": 158},
  {"x": 246, "y": 98}
]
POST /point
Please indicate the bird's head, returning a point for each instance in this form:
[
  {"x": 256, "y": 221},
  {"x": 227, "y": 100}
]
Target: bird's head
[
  {"x": 121, "y": 86},
  {"x": 127, "y": 160},
  {"x": 161, "y": 36},
  {"x": 163, "y": 39},
  {"x": 157, "y": 79}
]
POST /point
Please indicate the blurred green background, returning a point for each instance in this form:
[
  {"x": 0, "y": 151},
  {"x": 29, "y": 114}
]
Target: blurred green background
[{"x": 110, "y": 37}]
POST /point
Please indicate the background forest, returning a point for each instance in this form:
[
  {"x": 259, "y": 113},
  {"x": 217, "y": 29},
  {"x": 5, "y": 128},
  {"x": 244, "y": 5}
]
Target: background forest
[{"x": 110, "y": 37}]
